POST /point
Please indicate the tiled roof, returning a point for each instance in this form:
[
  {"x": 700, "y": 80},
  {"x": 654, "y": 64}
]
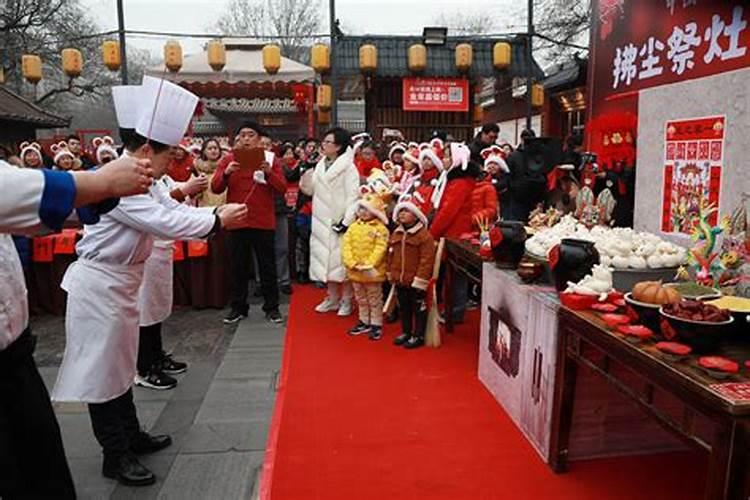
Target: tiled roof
[
  {"x": 392, "y": 56},
  {"x": 15, "y": 108},
  {"x": 564, "y": 74}
]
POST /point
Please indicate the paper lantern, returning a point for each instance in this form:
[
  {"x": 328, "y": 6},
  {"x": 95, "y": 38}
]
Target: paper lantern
[
  {"x": 173, "y": 56},
  {"x": 111, "y": 54},
  {"x": 272, "y": 59},
  {"x": 320, "y": 58},
  {"x": 501, "y": 54},
  {"x": 72, "y": 62},
  {"x": 324, "y": 117},
  {"x": 31, "y": 68},
  {"x": 217, "y": 55},
  {"x": 417, "y": 58},
  {"x": 368, "y": 59},
  {"x": 464, "y": 56},
  {"x": 537, "y": 95},
  {"x": 325, "y": 94}
]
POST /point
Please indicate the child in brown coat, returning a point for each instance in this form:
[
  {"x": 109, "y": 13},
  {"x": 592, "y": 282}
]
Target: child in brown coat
[{"x": 411, "y": 255}]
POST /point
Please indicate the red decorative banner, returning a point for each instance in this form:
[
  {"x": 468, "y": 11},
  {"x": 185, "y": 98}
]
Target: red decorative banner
[
  {"x": 42, "y": 248},
  {"x": 435, "y": 94},
  {"x": 179, "y": 251},
  {"x": 693, "y": 159},
  {"x": 197, "y": 248},
  {"x": 65, "y": 242}
]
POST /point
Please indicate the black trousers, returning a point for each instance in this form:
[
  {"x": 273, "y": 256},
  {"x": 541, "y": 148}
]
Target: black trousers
[
  {"x": 32, "y": 458},
  {"x": 261, "y": 241},
  {"x": 149, "y": 347},
  {"x": 115, "y": 423},
  {"x": 413, "y": 311}
]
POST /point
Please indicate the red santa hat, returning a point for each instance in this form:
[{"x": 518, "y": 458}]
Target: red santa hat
[
  {"x": 495, "y": 154},
  {"x": 428, "y": 153},
  {"x": 396, "y": 147},
  {"x": 438, "y": 146},
  {"x": 30, "y": 147},
  {"x": 104, "y": 145},
  {"x": 405, "y": 202}
]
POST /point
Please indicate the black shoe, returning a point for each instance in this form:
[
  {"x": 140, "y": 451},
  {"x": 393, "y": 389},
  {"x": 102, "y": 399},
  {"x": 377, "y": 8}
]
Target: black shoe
[
  {"x": 320, "y": 284},
  {"x": 376, "y": 333},
  {"x": 128, "y": 471},
  {"x": 144, "y": 443},
  {"x": 156, "y": 380},
  {"x": 274, "y": 317},
  {"x": 414, "y": 342},
  {"x": 233, "y": 317},
  {"x": 392, "y": 317},
  {"x": 303, "y": 279},
  {"x": 359, "y": 329},
  {"x": 286, "y": 289},
  {"x": 170, "y": 366},
  {"x": 401, "y": 339}
]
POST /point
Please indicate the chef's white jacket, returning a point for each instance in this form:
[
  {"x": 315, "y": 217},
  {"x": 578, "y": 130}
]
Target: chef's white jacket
[{"x": 29, "y": 199}]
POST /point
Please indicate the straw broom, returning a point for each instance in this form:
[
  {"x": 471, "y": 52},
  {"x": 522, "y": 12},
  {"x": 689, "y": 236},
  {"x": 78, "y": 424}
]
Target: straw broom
[{"x": 432, "y": 333}]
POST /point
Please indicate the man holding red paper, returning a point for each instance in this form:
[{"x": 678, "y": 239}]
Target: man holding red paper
[{"x": 253, "y": 185}]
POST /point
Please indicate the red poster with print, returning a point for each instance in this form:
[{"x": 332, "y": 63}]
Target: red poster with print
[
  {"x": 197, "y": 248},
  {"x": 178, "y": 255},
  {"x": 65, "y": 242},
  {"x": 692, "y": 175},
  {"x": 435, "y": 94},
  {"x": 43, "y": 248}
]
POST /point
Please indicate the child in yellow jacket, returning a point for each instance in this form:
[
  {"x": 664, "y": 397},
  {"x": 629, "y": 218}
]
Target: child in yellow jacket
[{"x": 363, "y": 251}]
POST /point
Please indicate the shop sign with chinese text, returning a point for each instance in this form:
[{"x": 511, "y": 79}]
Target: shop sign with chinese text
[{"x": 436, "y": 94}]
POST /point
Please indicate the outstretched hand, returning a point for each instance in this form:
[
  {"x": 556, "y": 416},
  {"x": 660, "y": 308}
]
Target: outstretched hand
[{"x": 126, "y": 176}]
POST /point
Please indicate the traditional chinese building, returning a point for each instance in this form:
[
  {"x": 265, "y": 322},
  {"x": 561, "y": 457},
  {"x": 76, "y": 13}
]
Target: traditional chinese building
[
  {"x": 20, "y": 119},
  {"x": 283, "y": 103},
  {"x": 664, "y": 74},
  {"x": 439, "y": 98}
]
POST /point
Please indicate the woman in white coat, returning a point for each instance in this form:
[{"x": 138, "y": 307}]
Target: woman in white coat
[{"x": 334, "y": 187}]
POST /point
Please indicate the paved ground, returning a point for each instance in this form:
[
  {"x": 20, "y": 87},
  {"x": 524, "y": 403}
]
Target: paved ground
[{"x": 218, "y": 415}]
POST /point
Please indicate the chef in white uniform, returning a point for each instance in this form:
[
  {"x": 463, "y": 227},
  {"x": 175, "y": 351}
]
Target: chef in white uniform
[
  {"x": 32, "y": 459},
  {"x": 102, "y": 315},
  {"x": 155, "y": 366}
]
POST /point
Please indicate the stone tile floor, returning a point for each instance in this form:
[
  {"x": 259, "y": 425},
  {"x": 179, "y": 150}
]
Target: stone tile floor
[{"x": 218, "y": 416}]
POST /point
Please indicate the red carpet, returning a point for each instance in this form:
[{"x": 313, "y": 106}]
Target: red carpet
[{"x": 358, "y": 419}]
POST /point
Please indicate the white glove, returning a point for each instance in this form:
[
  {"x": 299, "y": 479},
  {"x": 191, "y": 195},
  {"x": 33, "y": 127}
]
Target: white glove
[{"x": 259, "y": 177}]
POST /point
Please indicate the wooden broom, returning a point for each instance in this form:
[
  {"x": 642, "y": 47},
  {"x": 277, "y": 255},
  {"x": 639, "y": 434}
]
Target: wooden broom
[{"x": 432, "y": 333}]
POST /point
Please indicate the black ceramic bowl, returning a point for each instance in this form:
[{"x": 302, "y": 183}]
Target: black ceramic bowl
[
  {"x": 702, "y": 336},
  {"x": 648, "y": 314}
]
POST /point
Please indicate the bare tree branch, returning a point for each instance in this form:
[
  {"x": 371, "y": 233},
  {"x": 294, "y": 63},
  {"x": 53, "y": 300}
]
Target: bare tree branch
[
  {"x": 460, "y": 23},
  {"x": 295, "y": 19}
]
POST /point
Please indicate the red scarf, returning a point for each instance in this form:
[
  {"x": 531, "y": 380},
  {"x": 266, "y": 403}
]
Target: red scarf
[{"x": 366, "y": 166}]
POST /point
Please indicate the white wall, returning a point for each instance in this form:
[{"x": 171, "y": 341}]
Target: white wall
[{"x": 725, "y": 94}]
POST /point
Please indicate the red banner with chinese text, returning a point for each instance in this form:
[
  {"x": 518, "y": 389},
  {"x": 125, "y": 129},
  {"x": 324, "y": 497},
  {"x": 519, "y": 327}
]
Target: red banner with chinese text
[
  {"x": 435, "y": 94},
  {"x": 639, "y": 44}
]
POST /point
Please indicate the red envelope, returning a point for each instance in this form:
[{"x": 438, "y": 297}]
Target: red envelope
[
  {"x": 197, "y": 248},
  {"x": 179, "y": 251}
]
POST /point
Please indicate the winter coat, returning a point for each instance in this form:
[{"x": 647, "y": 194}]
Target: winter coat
[
  {"x": 453, "y": 216},
  {"x": 484, "y": 202},
  {"x": 335, "y": 190},
  {"x": 411, "y": 256},
  {"x": 242, "y": 188},
  {"x": 365, "y": 244}
]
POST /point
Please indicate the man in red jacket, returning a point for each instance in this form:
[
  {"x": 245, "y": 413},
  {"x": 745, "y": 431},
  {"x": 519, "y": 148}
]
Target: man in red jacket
[{"x": 256, "y": 189}]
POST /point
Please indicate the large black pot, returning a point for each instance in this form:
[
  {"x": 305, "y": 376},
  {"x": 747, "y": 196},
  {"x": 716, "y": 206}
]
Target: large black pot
[
  {"x": 511, "y": 249},
  {"x": 571, "y": 261}
]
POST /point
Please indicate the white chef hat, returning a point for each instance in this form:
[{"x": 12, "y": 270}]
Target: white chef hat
[
  {"x": 166, "y": 111},
  {"x": 127, "y": 104}
]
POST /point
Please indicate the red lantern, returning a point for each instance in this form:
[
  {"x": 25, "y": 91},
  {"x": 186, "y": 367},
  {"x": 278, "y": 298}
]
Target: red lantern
[{"x": 301, "y": 93}]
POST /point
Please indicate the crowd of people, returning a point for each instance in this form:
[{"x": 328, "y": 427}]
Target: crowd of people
[{"x": 357, "y": 217}]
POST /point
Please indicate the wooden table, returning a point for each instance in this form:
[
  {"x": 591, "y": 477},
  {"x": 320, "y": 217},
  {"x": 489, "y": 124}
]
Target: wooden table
[
  {"x": 460, "y": 257},
  {"x": 679, "y": 395}
]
